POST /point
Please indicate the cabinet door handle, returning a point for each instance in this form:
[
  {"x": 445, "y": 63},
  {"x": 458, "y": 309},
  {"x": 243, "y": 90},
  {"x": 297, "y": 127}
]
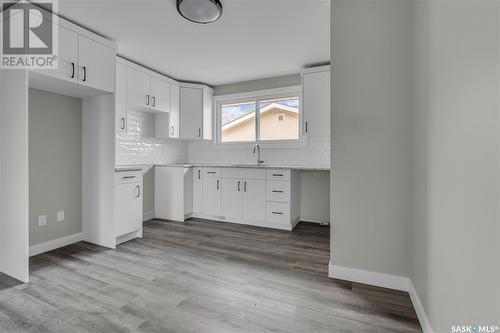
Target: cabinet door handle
[
  {"x": 245, "y": 186},
  {"x": 276, "y": 191},
  {"x": 307, "y": 123},
  {"x": 128, "y": 177},
  {"x": 277, "y": 213},
  {"x": 199, "y": 132},
  {"x": 154, "y": 101},
  {"x": 199, "y": 174},
  {"x": 277, "y": 175},
  {"x": 123, "y": 123},
  {"x": 147, "y": 100},
  {"x": 138, "y": 191},
  {"x": 239, "y": 189},
  {"x": 218, "y": 184},
  {"x": 172, "y": 130},
  {"x": 72, "y": 70},
  {"x": 84, "y": 73}
]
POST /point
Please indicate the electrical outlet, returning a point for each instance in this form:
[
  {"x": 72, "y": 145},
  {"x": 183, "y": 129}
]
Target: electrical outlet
[
  {"x": 42, "y": 220},
  {"x": 60, "y": 216}
]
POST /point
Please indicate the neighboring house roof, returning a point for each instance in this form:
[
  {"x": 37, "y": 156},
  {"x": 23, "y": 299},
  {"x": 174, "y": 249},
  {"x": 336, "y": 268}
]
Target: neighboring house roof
[{"x": 251, "y": 115}]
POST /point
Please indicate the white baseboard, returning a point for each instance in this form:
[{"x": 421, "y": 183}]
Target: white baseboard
[
  {"x": 386, "y": 281},
  {"x": 372, "y": 278},
  {"x": 419, "y": 309},
  {"x": 54, "y": 244},
  {"x": 146, "y": 216}
]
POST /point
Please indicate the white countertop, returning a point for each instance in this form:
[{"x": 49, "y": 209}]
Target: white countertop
[{"x": 146, "y": 167}]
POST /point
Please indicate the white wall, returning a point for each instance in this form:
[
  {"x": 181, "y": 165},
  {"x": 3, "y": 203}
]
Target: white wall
[
  {"x": 371, "y": 140},
  {"x": 456, "y": 253}
]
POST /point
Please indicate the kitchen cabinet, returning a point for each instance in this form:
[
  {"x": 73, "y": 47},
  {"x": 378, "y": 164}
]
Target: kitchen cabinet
[
  {"x": 232, "y": 197},
  {"x": 128, "y": 202},
  {"x": 147, "y": 93},
  {"x": 195, "y": 103},
  {"x": 212, "y": 196},
  {"x": 316, "y": 101},
  {"x": 174, "y": 111},
  {"x": 85, "y": 59},
  {"x": 121, "y": 99},
  {"x": 254, "y": 199},
  {"x": 96, "y": 64},
  {"x": 197, "y": 191}
]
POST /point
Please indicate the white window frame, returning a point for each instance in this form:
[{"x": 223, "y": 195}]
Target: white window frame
[{"x": 258, "y": 96}]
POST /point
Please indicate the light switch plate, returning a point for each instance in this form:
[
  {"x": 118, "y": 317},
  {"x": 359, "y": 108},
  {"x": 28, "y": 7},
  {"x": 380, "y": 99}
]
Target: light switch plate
[
  {"x": 60, "y": 216},
  {"x": 42, "y": 220}
]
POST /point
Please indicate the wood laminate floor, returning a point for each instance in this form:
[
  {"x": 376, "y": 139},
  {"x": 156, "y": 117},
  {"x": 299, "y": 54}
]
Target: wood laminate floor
[{"x": 199, "y": 276}]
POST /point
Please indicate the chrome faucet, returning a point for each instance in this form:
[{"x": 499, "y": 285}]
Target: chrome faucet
[{"x": 257, "y": 148}]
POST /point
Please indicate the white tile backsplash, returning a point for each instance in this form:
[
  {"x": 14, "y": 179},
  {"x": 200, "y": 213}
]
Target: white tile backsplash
[{"x": 138, "y": 146}]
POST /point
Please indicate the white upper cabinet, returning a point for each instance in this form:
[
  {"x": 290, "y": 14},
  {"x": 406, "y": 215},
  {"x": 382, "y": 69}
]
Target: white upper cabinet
[
  {"x": 97, "y": 64},
  {"x": 160, "y": 95},
  {"x": 195, "y": 112},
  {"x": 174, "y": 111},
  {"x": 68, "y": 55},
  {"x": 146, "y": 92},
  {"x": 121, "y": 99},
  {"x": 191, "y": 111},
  {"x": 84, "y": 58},
  {"x": 138, "y": 90},
  {"x": 316, "y": 101}
]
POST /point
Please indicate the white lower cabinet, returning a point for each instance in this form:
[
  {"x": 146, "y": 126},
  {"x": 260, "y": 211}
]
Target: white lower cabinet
[
  {"x": 232, "y": 197},
  {"x": 254, "y": 199},
  {"x": 128, "y": 202},
  {"x": 197, "y": 191},
  {"x": 212, "y": 196}
]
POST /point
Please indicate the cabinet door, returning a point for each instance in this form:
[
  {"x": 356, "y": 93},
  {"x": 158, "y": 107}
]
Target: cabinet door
[
  {"x": 121, "y": 99},
  {"x": 191, "y": 113},
  {"x": 197, "y": 191},
  {"x": 67, "y": 57},
  {"x": 231, "y": 189},
  {"x": 160, "y": 95},
  {"x": 97, "y": 64},
  {"x": 316, "y": 103},
  {"x": 128, "y": 212},
  {"x": 211, "y": 196},
  {"x": 174, "y": 111},
  {"x": 254, "y": 199},
  {"x": 138, "y": 90}
]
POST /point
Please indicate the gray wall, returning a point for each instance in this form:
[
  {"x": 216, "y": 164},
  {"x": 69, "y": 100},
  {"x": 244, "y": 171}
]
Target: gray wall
[
  {"x": 371, "y": 141},
  {"x": 456, "y": 254},
  {"x": 263, "y": 84},
  {"x": 55, "y": 165}
]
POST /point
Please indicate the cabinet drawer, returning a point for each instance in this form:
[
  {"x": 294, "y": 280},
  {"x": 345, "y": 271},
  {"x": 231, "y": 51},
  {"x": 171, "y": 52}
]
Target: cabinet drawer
[
  {"x": 278, "y": 191},
  {"x": 211, "y": 172},
  {"x": 126, "y": 177},
  {"x": 244, "y": 173},
  {"x": 277, "y": 212},
  {"x": 278, "y": 174}
]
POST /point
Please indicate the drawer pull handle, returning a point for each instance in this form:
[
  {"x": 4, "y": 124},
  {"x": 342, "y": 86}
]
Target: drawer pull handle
[
  {"x": 277, "y": 175},
  {"x": 276, "y": 191},
  {"x": 277, "y": 213},
  {"x": 212, "y": 172},
  {"x": 128, "y": 177}
]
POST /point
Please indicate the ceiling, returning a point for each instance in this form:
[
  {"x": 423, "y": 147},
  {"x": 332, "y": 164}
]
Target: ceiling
[{"x": 253, "y": 39}]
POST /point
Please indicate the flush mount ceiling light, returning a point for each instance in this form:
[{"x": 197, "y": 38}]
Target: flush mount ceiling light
[{"x": 200, "y": 11}]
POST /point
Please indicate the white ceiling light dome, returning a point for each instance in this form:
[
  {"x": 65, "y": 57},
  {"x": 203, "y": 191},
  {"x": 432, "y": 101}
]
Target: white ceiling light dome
[{"x": 200, "y": 11}]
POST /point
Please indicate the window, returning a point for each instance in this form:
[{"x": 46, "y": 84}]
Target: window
[{"x": 265, "y": 118}]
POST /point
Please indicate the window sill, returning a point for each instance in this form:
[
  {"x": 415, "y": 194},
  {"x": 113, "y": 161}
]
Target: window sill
[{"x": 300, "y": 144}]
